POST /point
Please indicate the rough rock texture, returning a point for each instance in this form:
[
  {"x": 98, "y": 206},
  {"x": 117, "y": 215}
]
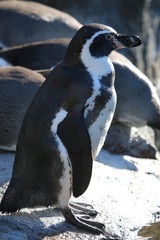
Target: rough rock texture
[
  {"x": 121, "y": 190},
  {"x": 136, "y": 142}
]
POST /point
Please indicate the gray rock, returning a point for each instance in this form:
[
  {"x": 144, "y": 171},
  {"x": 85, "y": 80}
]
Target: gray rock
[
  {"x": 18, "y": 85},
  {"x": 136, "y": 142},
  {"x": 26, "y": 21},
  {"x": 138, "y": 103}
]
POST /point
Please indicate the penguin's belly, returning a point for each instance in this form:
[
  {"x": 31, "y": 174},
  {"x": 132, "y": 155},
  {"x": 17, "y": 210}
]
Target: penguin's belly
[{"x": 99, "y": 128}]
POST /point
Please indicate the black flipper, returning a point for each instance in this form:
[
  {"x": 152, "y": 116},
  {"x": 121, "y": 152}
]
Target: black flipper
[{"x": 77, "y": 141}]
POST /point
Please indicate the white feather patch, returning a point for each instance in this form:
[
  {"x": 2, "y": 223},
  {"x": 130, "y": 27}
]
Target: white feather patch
[
  {"x": 98, "y": 130},
  {"x": 90, "y": 103},
  {"x": 95, "y": 66},
  {"x": 11, "y": 148},
  {"x": 66, "y": 179}
]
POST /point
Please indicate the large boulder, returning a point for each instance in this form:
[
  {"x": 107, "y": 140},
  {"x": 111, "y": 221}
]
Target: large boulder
[
  {"x": 26, "y": 21},
  {"x": 18, "y": 85},
  {"x": 136, "y": 142}
]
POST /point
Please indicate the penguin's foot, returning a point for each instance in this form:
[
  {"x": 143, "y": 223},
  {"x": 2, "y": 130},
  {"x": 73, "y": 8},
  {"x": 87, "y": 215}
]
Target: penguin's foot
[
  {"x": 82, "y": 208},
  {"x": 86, "y": 224}
]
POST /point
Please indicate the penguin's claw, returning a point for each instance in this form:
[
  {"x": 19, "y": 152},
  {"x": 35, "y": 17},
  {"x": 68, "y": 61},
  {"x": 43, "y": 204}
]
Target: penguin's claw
[
  {"x": 82, "y": 208},
  {"x": 82, "y": 216},
  {"x": 92, "y": 226}
]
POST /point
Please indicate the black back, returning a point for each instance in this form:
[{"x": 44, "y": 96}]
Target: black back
[{"x": 37, "y": 167}]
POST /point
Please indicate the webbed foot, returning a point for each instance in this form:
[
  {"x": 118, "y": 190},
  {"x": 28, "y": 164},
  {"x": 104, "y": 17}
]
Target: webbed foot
[
  {"x": 86, "y": 224},
  {"x": 82, "y": 208}
]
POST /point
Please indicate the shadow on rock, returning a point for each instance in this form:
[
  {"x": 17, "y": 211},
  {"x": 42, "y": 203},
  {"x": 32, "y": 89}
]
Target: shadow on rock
[
  {"x": 33, "y": 224},
  {"x": 116, "y": 161}
]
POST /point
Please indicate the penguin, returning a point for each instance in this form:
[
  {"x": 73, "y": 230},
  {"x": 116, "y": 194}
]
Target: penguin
[
  {"x": 65, "y": 127},
  {"x": 18, "y": 85},
  {"x": 27, "y": 21}
]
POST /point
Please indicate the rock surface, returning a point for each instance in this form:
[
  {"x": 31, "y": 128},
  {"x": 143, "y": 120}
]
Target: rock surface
[
  {"x": 121, "y": 190},
  {"x": 18, "y": 85},
  {"x": 27, "y": 21},
  {"x": 136, "y": 142}
]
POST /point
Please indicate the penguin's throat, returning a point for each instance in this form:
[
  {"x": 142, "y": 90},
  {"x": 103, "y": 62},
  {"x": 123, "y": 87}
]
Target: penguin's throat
[{"x": 97, "y": 67}]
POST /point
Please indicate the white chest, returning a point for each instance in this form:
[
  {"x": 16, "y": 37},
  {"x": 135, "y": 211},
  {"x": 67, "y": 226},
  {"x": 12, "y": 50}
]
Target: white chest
[
  {"x": 98, "y": 68},
  {"x": 99, "y": 128}
]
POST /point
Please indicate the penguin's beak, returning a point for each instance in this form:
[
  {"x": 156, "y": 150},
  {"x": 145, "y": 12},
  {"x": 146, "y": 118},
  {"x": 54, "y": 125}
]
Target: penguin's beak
[{"x": 123, "y": 40}]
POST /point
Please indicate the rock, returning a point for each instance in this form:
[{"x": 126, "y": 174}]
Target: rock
[
  {"x": 27, "y": 21},
  {"x": 136, "y": 142},
  {"x": 121, "y": 190},
  {"x": 37, "y": 55},
  {"x": 138, "y": 103},
  {"x": 18, "y": 85}
]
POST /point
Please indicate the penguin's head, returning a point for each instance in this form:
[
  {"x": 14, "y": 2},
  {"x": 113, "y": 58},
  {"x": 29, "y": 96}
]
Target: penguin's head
[
  {"x": 98, "y": 40},
  {"x": 104, "y": 41}
]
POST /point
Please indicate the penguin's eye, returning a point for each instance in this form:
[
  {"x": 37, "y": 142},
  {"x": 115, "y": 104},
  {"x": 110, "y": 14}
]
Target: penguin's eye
[{"x": 108, "y": 37}]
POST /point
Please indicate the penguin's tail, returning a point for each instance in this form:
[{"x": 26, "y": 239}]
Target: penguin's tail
[{"x": 11, "y": 199}]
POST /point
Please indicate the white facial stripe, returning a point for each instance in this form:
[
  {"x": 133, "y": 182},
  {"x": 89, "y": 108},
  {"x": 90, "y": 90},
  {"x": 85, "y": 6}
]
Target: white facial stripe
[
  {"x": 66, "y": 179},
  {"x": 110, "y": 29},
  {"x": 4, "y": 63}
]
